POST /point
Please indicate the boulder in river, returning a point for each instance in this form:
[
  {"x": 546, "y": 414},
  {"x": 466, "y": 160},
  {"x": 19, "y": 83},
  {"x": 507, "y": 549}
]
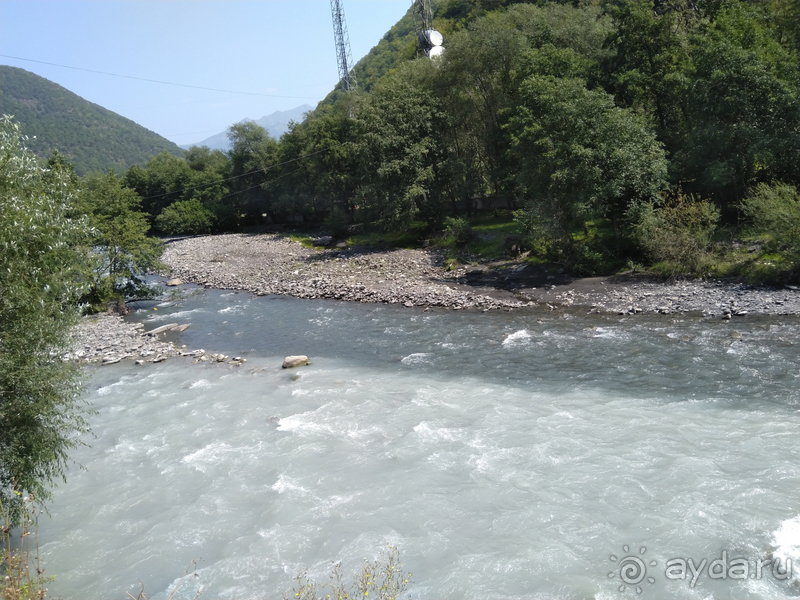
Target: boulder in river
[
  {"x": 174, "y": 282},
  {"x": 161, "y": 329},
  {"x": 295, "y": 361}
]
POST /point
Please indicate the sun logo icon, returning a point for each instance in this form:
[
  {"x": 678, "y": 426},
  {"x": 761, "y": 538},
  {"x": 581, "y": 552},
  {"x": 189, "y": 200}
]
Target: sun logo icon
[{"x": 632, "y": 570}]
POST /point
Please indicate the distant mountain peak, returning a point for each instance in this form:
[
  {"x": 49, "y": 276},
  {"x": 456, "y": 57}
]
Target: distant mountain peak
[{"x": 276, "y": 125}]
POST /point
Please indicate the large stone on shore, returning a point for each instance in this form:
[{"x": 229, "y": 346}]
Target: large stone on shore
[
  {"x": 295, "y": 361},
  {"x": 174, "y": 282}
]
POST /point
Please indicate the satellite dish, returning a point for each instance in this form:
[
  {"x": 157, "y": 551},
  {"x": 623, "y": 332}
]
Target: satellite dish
[
  {"x": 435, "y": 38},
  {"x": 435, "y": 51}
]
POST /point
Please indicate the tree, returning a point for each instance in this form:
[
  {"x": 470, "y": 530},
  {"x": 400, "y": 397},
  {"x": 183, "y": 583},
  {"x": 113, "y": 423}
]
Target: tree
[
  {"x": 43, "y": 248},
  {"x": 321, "y": 167},
  {"x": 252, "y": 153},
  {"x": 162, "y": 181},
  {"x": 744, "y": 108},
  {"x": 578, "y": 156},
  {"x": 649, "y": 68},
  {"x": 123, "y": 251},
  {"x": 185, "y": 217},
  {"x": 402, "y": 148}
]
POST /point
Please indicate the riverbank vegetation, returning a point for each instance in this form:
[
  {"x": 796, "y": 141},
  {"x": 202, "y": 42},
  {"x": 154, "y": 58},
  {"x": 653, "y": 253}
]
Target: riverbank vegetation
[
  {"x": 44, "y": 244},
  {"x": 597, "y": 135},
  {"x": 605, "y": 134}
]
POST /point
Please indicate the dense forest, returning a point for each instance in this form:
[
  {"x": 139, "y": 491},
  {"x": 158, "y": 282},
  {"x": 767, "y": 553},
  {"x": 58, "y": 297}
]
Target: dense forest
[
  {"x": 597, "y": 135},
  {"x": 612, "y": 132},
  {"x": 90, "y": 136}
]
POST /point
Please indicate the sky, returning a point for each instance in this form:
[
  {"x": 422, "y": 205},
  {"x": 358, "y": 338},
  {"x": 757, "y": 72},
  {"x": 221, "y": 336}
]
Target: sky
[{"x": 281, "y": 52}]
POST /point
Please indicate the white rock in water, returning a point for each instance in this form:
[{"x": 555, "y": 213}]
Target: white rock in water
[
  {"x": 295, "y": 361},
  {"x": 174, "y": 282},
  {"x": 162, "y": 329}
]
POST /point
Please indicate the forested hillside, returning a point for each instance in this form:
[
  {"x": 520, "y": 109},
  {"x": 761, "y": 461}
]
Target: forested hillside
[
  {"x": 91, "y": 137},
  {"x": 598, "y": 134}
]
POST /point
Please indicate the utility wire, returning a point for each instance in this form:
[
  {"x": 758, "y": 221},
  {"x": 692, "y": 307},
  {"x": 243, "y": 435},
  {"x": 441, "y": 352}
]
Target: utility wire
[
  {"x": 231, "y": 195},
  {"x": 264, "y": 170},
  {"x": 196, "y": 87}
]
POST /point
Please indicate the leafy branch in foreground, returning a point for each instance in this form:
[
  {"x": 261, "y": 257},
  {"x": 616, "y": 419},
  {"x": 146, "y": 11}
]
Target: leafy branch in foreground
[{"x": 43, "y": 244}]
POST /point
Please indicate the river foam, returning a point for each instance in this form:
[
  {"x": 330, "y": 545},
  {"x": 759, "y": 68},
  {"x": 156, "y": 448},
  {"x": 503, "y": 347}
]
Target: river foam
[{"x": 509, "y": 470}]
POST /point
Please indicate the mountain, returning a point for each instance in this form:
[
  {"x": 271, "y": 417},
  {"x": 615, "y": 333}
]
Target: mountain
[
  {"x": 92, "y": 137},
  {"x": 276, "y": 124}
]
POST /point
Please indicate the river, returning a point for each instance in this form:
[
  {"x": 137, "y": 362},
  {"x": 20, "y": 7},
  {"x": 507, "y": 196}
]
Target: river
[{"x": 508, "y": 455}]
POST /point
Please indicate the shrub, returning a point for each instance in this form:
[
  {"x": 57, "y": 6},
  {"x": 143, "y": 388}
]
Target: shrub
[
  {"x": 588, "y": 260},
  {"x": 459, "y": 228},
  {"x": 186, "y": 217},
  {"x": 21, "y": 573},
  {"x": 775, "y": 211},
  {"x": 678, "y": 233}
]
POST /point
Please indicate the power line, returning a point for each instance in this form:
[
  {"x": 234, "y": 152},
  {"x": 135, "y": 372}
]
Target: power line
[
  {"x": 259, "y": 185},
  {"x": 264, "y": 170},
  {"x": 196, "y": 87}
]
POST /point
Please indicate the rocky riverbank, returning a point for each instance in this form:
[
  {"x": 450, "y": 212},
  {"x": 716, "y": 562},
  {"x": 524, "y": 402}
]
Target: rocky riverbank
[
  {"x": 266, "y": 264},
  {"x": 108, "y": 339},
  {"x": 272, "y": 264}
]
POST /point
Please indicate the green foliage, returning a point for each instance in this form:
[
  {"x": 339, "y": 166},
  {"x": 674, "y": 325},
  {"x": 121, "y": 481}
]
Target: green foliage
[
  {"x": 43, "y": 245},
  {"x": 459, "y": 228},
  {"x": 123, "y": 251},
  {"x": 650, "y": 68},
  {"x": 742, "y": 109},
  {"x": 21, "y": 573},
  {"x": 577, "y": 156},
  {"x": 590, "y": 258},
  {"x": 203, "y": 177},
  {"x": 775, "y": 211},
  {"x": 678, "y": 234},
  {"x": 253, "y": 153},
  {"x": 401, "y": 148},
  {"x": 186, "y": 217},
  {"x": 322, "y": 169},
  {"x": 91, "y": 137},
  {"x": 162, "y": 181}
]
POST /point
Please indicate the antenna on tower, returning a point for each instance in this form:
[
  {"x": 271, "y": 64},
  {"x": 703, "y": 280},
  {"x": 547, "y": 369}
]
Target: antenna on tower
[
  {"x": 429, "y": 41},
  {"x": 344, "y": 58}
]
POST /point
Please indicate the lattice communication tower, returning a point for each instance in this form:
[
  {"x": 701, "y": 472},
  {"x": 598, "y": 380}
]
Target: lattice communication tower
[{"x": 344, "y": 57}]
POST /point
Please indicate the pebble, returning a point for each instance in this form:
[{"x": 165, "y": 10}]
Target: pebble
[{"x": 273, "y": 264}]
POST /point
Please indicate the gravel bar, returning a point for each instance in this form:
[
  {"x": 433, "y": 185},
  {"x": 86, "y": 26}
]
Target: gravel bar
[{"x": 274, "y": 264}]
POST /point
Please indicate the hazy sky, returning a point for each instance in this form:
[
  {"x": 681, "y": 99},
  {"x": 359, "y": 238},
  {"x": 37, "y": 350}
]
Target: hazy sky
[{"x": 281, "y": 48}]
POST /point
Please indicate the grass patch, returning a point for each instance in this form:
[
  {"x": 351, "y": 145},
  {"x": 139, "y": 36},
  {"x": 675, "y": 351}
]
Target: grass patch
[
  {"x": 306, "y": 241},
  {"x": 410, "y": 238}
]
